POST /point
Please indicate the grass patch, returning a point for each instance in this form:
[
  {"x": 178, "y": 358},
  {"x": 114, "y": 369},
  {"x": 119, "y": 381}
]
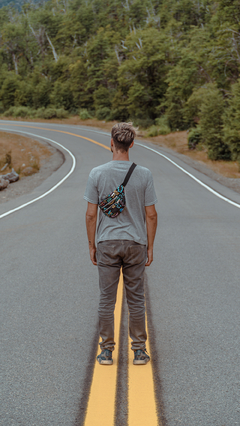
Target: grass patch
[{"x": 21, "y": 153}]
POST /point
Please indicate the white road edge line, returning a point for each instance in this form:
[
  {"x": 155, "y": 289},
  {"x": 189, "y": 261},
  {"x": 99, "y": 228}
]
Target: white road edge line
[
  {"x": 168, "y": 159},
  {"x": 175, "y": 164},
  {"x": 55, "y": 186},
  {"x": 193, "y": 177}
]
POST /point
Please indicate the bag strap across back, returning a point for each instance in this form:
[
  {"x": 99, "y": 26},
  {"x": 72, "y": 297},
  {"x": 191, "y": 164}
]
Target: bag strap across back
[{"x": 128, "y": 175}]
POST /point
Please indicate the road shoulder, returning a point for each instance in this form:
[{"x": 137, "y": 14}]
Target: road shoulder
[
  {"x": 233, "y": 184},
  {"x": 28, "y": 183}
]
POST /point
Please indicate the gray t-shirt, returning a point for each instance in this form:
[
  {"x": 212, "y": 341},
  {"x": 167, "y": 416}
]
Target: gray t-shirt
[{"x": 139, "y": 192}]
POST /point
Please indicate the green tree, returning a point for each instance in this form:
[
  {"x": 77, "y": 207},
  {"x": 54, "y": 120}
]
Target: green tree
[
  {"x": 8, "y": 91},
  {"x": 231, "y": 120},
  {"x": 128, "y": 59},
  {"x": 61, "y": 95},
  {"x": 23, "y": 94},
  {"x": 181, "y": 82},
  {"x": 143, "y": 71},
  {"x": 211, "y": 123},
  {"x": 82, "y": 93},
  {"x": 102, "y": 103},
  {"x": 119, "y": 107},
  {"x": 41, "y": 93}
]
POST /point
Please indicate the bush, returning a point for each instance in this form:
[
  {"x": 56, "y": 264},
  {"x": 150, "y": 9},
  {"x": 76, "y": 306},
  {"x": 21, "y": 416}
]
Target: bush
[
  {"x": 162, "y": 121},
  {"x": 61, "y": 113},
  {"x": 163, "y": 125},
  {"x": 9, "y": 112},
  {"x": 48, "y": 113},
  {"x": 164, "y": 130},
  {"x": 73, "y": 111},
  {"x": 153, "y": 131},
  {"x": 32, "y": 113},
  {"x": 21, "y": 111},
  {"x": 38, "y": 113},
  {"x": 194, "y": 137},
  {"x": 144, "y": 123},
  {"x": 160, "y": 128},
  {"x": 84, "y": 114},
  {"x": 103, "y": 113},
  {"x": 231, "y": 119},
  {"x": 211, "y": 122}
]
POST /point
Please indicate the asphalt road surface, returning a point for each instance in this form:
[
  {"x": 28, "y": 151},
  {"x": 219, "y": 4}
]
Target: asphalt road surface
[{"x": 49, "y": 294}]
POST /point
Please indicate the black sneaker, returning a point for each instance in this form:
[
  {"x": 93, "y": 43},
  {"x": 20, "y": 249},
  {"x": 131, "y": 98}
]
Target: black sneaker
[
  {"x": 140, "y": 357},
  {"x": 105, "y": 357}
]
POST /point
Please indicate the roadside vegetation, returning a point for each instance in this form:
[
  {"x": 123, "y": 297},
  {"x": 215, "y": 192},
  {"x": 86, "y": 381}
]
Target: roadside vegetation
[
  {"x": 22, "y": 154},
  {"x": 178, "y": 141},
  {"x": 167, "y": 66}
]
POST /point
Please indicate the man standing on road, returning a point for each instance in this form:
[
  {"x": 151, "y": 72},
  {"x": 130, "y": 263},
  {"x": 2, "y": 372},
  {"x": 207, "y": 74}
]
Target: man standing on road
[{"x": 124, "y": 241}]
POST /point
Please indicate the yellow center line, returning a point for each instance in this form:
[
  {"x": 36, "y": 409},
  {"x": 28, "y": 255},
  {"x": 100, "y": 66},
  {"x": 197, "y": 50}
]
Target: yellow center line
[
  {"x": 101, "y": 403},
  {"x": 60, "y": 131},
  {"x": 142, "y": 409},
  {"x": 141, "y": 394}
]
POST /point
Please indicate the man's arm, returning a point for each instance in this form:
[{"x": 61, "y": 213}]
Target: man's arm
[
  {"x": 151, "y": 222},
  {"x": 91, "y": 221}
]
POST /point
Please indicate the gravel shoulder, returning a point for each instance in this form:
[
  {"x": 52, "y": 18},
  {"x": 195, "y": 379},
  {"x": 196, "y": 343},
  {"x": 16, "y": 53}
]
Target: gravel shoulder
[
  {"x": 29, "y": 183},
  {"x": 233, "y": 184}
]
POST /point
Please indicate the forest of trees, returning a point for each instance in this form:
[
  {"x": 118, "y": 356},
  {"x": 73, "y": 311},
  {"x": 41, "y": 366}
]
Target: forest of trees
[{"x": 164, "y": 64}]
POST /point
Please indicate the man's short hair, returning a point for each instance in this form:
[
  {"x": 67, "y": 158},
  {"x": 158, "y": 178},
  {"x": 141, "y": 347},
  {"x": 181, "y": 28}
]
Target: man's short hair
[{"x": 123, "y": 135}]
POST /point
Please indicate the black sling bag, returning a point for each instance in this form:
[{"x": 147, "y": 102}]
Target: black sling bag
[{"x": 115, "y": 202}]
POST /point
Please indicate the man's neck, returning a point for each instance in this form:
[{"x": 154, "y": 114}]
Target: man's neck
[{"x": 120, "y": 156}]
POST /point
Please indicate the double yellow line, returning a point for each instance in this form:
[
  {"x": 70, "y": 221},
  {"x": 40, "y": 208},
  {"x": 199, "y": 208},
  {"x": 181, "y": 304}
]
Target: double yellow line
[
  {"x": 142, "y": 408},
  {"x": 101, "y": 403},
  {"x": 141, "y": 396}
]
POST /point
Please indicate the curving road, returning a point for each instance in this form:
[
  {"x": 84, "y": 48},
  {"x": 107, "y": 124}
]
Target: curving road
[{"x": 49, "y": 293}]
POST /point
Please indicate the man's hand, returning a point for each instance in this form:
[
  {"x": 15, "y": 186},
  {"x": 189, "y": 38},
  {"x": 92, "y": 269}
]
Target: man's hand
[
  {"x": 92, "y": 252},
  {"x": 149, "y": 257}
]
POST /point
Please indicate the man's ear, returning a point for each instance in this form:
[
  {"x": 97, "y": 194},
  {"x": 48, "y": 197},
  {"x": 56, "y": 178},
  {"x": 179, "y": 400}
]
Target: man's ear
[
  {"x": 131, "y": 144},
  {"x": 112, "y": 143}
]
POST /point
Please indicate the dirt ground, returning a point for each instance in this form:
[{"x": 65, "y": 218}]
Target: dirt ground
[
  {"x": 27, "y": 152},
  {"x": 21, "y": 153}
]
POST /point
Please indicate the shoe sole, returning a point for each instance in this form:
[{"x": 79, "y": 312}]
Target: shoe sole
[
  {"x": 140, "y": 361},
  {"x": 106, "y": 362}
]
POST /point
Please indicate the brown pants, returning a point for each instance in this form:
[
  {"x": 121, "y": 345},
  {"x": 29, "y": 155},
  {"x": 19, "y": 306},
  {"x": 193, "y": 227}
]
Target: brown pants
[{"x": 131, "y": 256}]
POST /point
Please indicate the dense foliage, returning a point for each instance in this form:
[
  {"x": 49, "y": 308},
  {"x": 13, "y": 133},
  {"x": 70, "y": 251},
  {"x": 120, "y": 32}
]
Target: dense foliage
[{"x": 165, "y": 64}]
